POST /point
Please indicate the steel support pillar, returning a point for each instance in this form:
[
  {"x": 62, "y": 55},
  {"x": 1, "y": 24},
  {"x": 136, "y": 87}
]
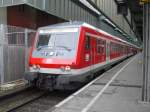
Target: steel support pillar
[
  {"x": 26, "y": 49},
  {"x": 146, "y": 57},
  {"x": 1, "y": 54}
]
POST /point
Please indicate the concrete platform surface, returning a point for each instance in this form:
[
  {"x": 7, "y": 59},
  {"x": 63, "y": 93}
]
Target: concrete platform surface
[{"x": 117, "y": 90}]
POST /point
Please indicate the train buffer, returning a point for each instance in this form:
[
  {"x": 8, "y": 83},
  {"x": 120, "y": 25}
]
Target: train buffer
[{"x": 117, "y": 90}]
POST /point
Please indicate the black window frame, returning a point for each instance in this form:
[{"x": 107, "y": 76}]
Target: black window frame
[
  {"x": 100, "y": 46},
  {"x": 87, "y": 42}
]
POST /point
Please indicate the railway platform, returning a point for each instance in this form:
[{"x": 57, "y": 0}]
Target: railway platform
[
  {"x": 117, "y": 90},
  {"x": 12, "y": 87}
]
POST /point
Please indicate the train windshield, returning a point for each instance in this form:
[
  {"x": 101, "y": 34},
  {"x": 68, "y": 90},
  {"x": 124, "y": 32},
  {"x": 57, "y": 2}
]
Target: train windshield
[{"x": 58, "y": 39}]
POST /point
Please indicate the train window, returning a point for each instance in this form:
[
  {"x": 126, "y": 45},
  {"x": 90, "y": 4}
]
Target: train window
[
  {"x": 58, "y": 39},
  {"x": 100, "y": 46},
  {"x": 98, "y": 42},
  {"x": 43, "y": 39},
  {"x": 115, "y": 48},
  {"x": 112, "y": 47},
  {"x": 87, "y": 42}
]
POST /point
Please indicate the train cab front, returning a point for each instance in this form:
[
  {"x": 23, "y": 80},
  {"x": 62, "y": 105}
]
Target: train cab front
[{"x": 53, "y": 56}]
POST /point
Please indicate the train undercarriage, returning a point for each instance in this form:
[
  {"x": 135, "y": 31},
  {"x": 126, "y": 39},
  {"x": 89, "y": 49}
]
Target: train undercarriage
[{"x": 56, "y": 82}]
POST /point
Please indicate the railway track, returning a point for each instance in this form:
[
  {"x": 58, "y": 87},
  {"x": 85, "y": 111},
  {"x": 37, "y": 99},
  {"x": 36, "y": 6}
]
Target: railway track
[
  {"x": 18, "y": 99},
  {"x": 32, "y": 100},
  {"x": 44, "y": 103}
]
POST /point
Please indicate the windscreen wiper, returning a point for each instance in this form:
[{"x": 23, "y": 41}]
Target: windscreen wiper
[
  {"x": 44, "y": 46},
  {"x": 65, "y": 47}
]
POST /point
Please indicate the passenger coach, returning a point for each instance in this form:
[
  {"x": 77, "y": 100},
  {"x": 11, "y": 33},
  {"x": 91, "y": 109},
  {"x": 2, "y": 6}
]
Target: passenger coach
[{"x": 69, "y": 53}]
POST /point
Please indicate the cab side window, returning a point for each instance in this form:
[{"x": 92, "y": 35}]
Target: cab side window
[{"x": 87, "y": 42}]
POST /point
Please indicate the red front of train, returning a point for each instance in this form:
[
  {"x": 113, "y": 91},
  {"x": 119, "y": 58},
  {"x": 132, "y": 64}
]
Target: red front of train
[
  {"x": 55, "y": 51},
  {"x": 72, "y": 52}
]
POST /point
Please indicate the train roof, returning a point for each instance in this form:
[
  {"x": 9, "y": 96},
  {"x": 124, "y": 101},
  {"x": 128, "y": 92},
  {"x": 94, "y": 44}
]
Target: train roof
[
  {"x": 79, "y": 24},
  {"x": 65, "y": 25}
]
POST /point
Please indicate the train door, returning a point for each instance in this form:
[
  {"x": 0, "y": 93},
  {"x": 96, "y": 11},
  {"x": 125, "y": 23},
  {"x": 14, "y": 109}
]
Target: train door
[
  {"x": 100, "y": 50},
  {"x": 107, "y": 51},
  {"x": 93, "y": 51},
  {"x": 89, "y": 51}
]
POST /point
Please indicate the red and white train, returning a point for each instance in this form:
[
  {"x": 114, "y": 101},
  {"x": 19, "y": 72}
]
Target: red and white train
[{"x": 68, "y": 53}]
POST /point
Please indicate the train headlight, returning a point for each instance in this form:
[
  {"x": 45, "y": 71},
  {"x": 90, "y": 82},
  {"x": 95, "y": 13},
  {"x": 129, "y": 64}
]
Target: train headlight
[
  {"x": 34, "y": 67},
  {"x": 38, "y": 66},
  {"x": 67, "y": 68}
]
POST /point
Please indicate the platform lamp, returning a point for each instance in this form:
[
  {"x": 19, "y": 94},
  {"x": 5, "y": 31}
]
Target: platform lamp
[{"x": 142, "y": 2}]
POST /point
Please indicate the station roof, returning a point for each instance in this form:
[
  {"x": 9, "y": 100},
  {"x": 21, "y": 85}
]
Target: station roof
[
  {"x": 137, "y": 14},
  {"x": 136, "y": 9}
]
